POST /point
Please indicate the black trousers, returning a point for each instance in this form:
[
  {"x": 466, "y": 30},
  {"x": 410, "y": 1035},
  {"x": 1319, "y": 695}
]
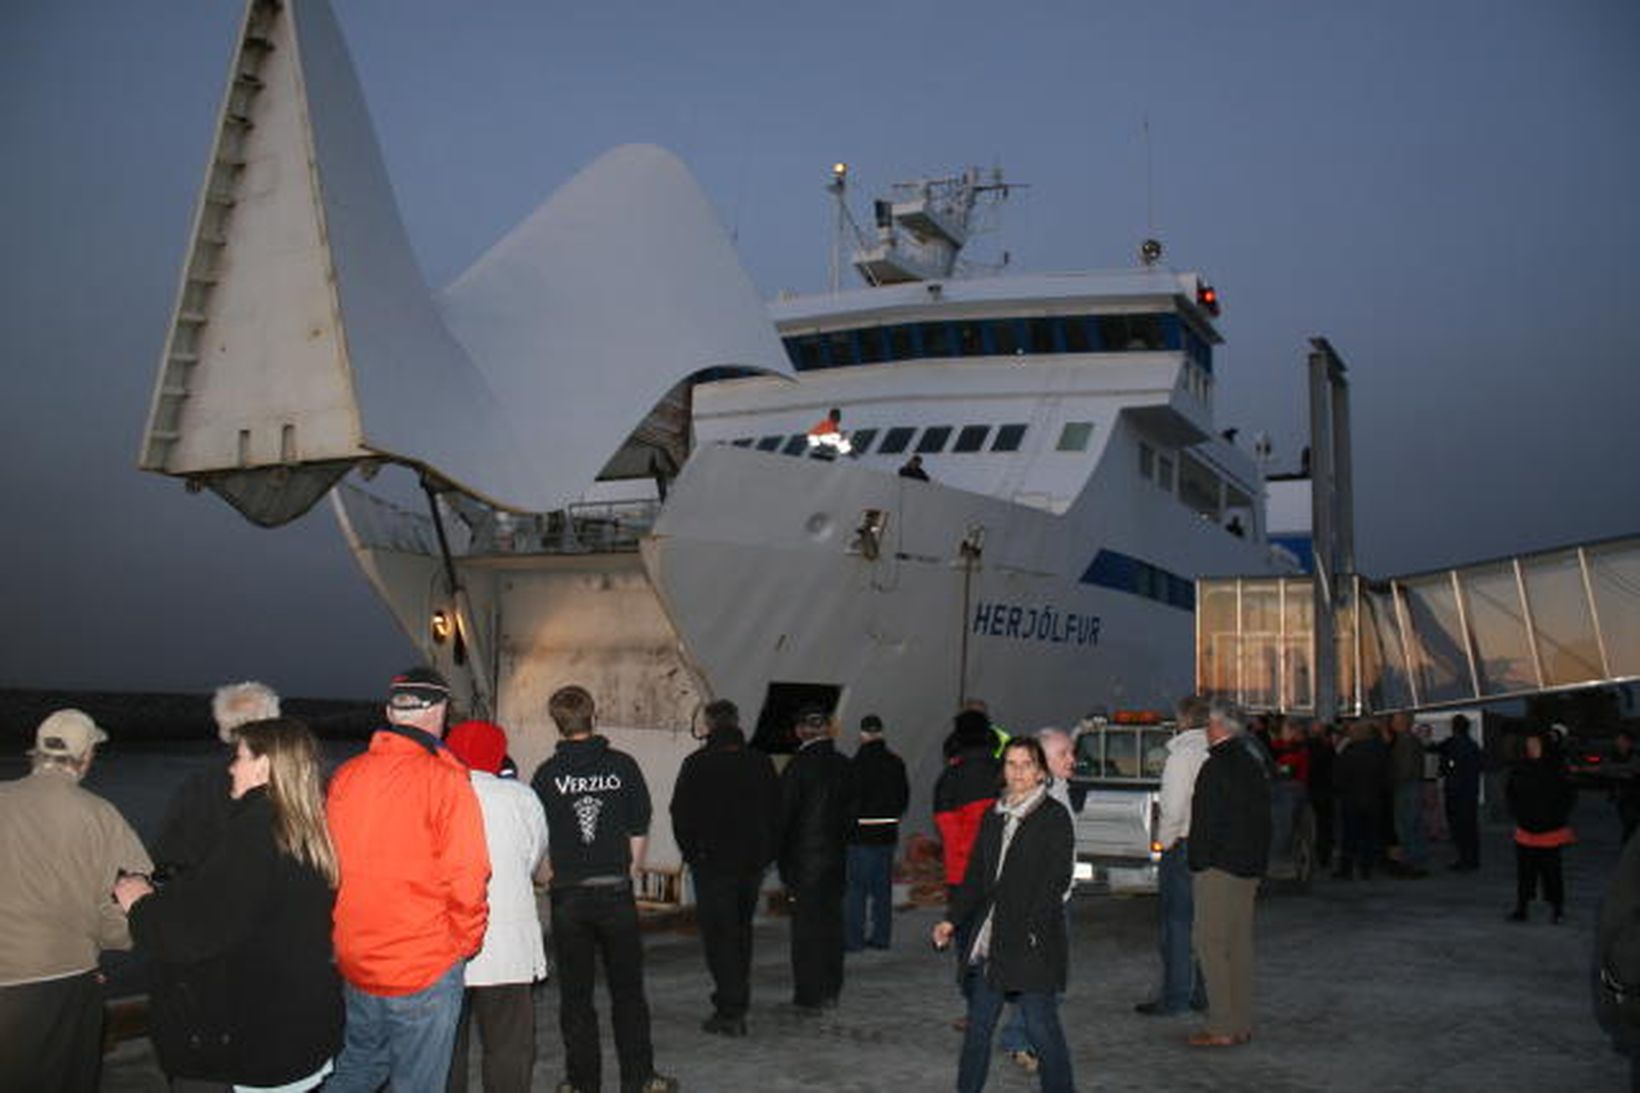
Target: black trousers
[
  {"x": 1359, "y": 846},
  {"x": 724, "y": 906},
  {"x": 1463, "y": 820},
  {"x": 1531, "y": 863},
  {"x": 1326, "y": 824},
  {"x": 817, "y": 942},
  {"x": 505, "y": 1015},
  {"x": 51, "y": 1034},
  {"x": 587, "y": 924}
]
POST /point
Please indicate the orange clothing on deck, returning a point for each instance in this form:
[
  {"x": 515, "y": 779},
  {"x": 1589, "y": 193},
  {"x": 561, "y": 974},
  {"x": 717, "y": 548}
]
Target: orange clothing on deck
[{"x": 410, "y": 842}]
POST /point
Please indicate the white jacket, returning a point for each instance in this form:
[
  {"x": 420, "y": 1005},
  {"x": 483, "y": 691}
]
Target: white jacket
[
  {"x": 515, "y": 830},
  {"x": 1186, "y": 752}
]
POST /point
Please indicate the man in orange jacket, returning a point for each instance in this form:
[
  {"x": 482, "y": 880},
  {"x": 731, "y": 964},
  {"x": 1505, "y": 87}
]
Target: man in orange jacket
[{"x": 411, "y": 908}]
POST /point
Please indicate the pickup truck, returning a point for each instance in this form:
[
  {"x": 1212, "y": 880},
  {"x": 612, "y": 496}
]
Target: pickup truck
[{"x": 1116, "y": 791}]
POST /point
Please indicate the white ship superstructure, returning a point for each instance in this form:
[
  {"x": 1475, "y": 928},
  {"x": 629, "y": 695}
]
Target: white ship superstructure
[{"x": 622, "y": 489}]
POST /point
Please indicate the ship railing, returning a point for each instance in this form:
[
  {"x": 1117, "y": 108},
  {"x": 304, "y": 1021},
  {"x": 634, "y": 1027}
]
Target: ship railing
[{"x": 590, "y": 527}]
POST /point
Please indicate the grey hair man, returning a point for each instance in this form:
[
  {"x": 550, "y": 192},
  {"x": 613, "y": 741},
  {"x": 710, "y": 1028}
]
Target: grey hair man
[
  {"x": 198, "y": 812},
  {"x": 1229, "y": 850},
  {"x": 236, "y": 704},
  {"x": 61, "y": 849}
]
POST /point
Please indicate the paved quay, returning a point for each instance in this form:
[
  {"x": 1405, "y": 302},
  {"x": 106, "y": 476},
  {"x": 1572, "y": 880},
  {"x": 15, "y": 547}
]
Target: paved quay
[{"x": 1381, "y": 985}]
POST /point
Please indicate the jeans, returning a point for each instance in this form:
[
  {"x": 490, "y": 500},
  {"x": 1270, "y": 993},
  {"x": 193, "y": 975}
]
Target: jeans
[
  {"x": 405, "y": 1039},
  {"x": 588, "y": 922},
  {"x": 1041, "y": 1012},
  {"x": 870, "y": 887},
  {"x": 1409, "y": 822},
  {"x": 724, "y": 906},
  {"x": 1181, "y": 978}
]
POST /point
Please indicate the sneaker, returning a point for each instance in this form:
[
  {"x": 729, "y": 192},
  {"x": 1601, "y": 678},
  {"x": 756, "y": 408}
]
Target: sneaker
[
  {"x": 659, "y": 1083},
  {"x": 1025, "y": 1059}
]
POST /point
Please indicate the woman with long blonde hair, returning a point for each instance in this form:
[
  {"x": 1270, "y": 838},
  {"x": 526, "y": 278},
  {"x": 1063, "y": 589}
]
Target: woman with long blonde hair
[{"x": 244, "y": 990}]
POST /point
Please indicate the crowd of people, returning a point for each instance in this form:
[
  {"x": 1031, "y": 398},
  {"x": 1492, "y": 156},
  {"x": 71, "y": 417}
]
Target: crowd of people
[{"x": 389, "y": 919}]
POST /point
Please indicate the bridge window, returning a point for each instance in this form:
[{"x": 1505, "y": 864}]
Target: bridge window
[
  {"x": 1041, "y": 335},
  {"x": 769, "y": 443},
  {"x": 896, "y": 440},
  {"x": 1075, "y": 329},
  {"x": 1128, "y": 333},
  {"x": 1074, "y": 437},
  {"x": 971, "y": 438},
  {"x": 1147, "y": 461},
  {"x": 861, "y": 440},
  {"x": 1009, "y": 438},
  {"x": 1005, "y": 340},
  {"x": 936, "y": 340},
  {"x": 970, "y": 339},
  {"x": 1199, "y": 487},
  {"x": 902, "y": 343},
  {"x": 934, "y": 438},
  {"x": 839, "y": 349},
  {"x": 743, "y": 442},
  {"x": 871, "y": 346},
  {"x": 796, "y": 444}
]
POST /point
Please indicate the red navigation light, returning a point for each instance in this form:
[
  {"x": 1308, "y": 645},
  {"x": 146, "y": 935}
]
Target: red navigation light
[{"x": 1208, "y": 297}]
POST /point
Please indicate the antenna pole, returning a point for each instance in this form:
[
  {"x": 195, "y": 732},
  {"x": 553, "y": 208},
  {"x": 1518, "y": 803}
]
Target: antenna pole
[{"x": 838, "y": 187}]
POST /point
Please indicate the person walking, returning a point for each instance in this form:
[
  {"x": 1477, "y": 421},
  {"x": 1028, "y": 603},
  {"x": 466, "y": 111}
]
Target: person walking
[
  {"x": 884, "y": 795},
  {"x": 725, "y": 815},
  {"x": 817, "y": 808},
  {"x": 598, "y": 810},
  {"x": 248, "y": 994},
  {"x": 410, "y": 908},
  {"x": 1229, "y": 851},
  {"x": 61, "y": 848},
  {"x": 1323, "y": 754},
  {"x": 1181, "y": 987},
  {"x": 1540, "y": 799},
  {"x": 500, "y": 979},
  {"x": 1011, "y": 900},
  {"x": 1460, "y": 767}
]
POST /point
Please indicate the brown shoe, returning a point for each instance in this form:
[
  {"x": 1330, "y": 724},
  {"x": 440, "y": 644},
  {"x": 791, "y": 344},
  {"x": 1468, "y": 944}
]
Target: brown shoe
[{"x": 1215, "y": 1039}]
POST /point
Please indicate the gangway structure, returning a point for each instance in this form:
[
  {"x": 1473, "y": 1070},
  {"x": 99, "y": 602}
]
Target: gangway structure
[{"x": 1552, "y": 620}]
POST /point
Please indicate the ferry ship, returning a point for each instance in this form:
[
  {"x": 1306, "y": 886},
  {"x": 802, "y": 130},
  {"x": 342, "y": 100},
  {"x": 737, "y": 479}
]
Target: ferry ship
[{"x": 642, "y": 478}]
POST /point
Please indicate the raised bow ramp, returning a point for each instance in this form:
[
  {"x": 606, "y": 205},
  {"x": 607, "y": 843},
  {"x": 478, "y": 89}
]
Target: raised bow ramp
[{"x": 305, "y": 340}]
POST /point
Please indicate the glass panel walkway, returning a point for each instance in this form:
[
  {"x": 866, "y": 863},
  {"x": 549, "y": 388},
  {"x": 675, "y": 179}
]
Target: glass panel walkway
[{"x": 1554, "y": 620}]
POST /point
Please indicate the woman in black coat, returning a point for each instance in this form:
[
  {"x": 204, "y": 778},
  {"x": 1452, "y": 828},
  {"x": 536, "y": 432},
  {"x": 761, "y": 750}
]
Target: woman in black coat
[
  {"x": 1011, "y": 905},
  {"x": 1541, "y": 799},
  {"x": 244, "y": 988}
]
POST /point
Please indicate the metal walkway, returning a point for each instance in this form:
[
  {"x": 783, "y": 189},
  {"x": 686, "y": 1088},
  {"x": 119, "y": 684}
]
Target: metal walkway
[{"x": 1553, "y": 620}]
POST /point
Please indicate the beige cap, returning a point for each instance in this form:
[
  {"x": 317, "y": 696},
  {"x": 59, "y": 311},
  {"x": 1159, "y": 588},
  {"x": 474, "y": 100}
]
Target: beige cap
[{"x": 70, "y": 733}]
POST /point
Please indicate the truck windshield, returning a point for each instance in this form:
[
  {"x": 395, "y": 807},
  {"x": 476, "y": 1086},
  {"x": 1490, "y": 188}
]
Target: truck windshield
[{"x": 1136, "y": 752}]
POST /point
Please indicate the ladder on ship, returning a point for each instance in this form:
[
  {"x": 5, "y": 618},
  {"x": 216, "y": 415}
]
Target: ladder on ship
[{"x": 1553, "y": 620}]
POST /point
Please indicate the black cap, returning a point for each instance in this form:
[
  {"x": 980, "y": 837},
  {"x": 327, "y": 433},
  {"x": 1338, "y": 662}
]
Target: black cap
[
  {"x": 871, "y": 723},
  {"x": 417, "y": 689}
]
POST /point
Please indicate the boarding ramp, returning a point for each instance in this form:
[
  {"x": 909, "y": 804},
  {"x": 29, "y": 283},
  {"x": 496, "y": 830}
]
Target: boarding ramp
[{"x": 1553, "y": 620}]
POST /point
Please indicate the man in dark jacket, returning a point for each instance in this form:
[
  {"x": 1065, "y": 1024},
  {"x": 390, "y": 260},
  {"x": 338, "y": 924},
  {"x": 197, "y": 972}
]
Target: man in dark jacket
[
  {"x": 1360, "y": 774},
  {"x": 725, "y": 808},
  {"x": 597, "y": 806},
  {"x": 816, "y": 813},
  {"x": 1461, "y": 764},
  {"x": 1229, "y": 849},
  {"x": 884, "y": 795}
]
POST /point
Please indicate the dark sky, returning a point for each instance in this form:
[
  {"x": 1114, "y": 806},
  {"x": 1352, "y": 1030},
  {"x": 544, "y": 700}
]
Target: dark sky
[{"x": 1447, "y": 190}]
